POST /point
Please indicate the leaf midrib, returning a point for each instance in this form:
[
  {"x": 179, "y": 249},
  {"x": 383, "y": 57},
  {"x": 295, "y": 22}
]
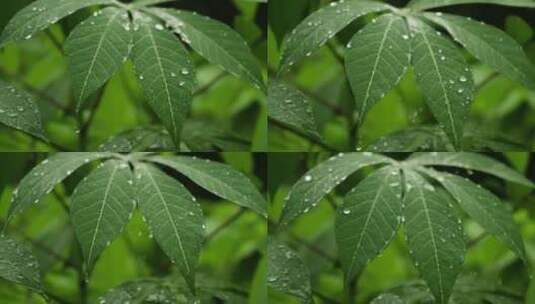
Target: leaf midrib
[
  {"x": 376, "y": 64},
  {"x": 368, "y": 217},
  {"x": 94, "y": 59},
  {"x": 175, "y": 229},
  {"x": 448, "y": 102},
  {"x": 433, "y": 240},
  {"x": 101, "y": 213},
  {"x": 166, "y": 85}
]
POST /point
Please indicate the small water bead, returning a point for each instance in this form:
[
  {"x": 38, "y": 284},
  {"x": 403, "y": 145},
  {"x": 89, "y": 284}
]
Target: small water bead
[
  {"x": 184, "y": 71},
  {"x": 405, "y": 37},
  {"x": 308, "y": 178},
  {"x": 346, "y": 211},
  {"x": 460, "y": 91},
  {"x": 141, "y": 77},
  {"x": 463, "y": 79},
  {"x": 159, "y": 27}
]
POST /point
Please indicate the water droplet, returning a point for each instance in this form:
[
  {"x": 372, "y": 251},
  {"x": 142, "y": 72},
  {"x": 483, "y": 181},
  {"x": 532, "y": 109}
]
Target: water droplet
[
  {"x": 463, "y": 79},
  {"x": 405, "y": 37},
  {"x": 346, "y": 211},
  {"x": 159, "y": 27},
  {"x": 308, "y": 178}
]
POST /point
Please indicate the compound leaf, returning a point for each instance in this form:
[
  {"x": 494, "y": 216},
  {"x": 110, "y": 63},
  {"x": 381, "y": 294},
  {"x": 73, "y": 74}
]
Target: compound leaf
[
  {"x": 165, "y": 71},
  {"x": 140, "y": 139},
  {"x": 444, "y": 78},
  {"x": 287, "y": 272},
  {"x": 44, "y": 177},
  {"x": 220, "y": 179},
  {"x": 470, "y": 161},
  {"x": 320, "y": 180},
  {"x": 428, "y": 4},
  {"x": 140, "y": 291},
  {"x": 434, "y": 235},
  {"x": 322, "y": 25},
  {"x": 368, "y": 219},
  {"x": 96, "y": 48},
  {"x": 291, "y": 107},
  {"x": 41, "y": 14},
  {"x": 18, "y": 264},
  {"x": 174, "y": 217},
  {"x": 101, "y": 206},
  {"x": 485, "y": 208},
  {"x": 377, "y": 57},
  {"x": 490, "y": 45},
  {"x": 19, "y": 110},
  {"x": 215, "y": 41}
]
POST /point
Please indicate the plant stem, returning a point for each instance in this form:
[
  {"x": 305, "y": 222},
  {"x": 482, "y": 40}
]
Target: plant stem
[
  {"x": 226, "y": 223},
  {"x": 351, "y": 291},
  {"x": 303, "y": 135},
  {"x": 85, "y": 126}
]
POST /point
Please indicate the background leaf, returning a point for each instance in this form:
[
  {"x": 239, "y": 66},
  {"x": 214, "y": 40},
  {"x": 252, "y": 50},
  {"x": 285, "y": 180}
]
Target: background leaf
[
  {"x": 428, "y": 4},
  {"x": 19, "y": 110},
  {"x": 18, "y": 265},
  {"x": 286, "y": 271},
  {"x": 291, "y": 107},
  {"x": 470, "y": 161}
]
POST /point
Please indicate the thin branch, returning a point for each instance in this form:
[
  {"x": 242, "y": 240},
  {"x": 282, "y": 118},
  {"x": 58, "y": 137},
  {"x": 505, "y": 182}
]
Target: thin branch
[
  {"x": 226, "y": 223},
  {"x": 334, "y": 51},
  {"x": 314, "y": 249},
  {"x": 211, "y": 83},
  {"x": 303, "y": 135},
  {"x": 55, "y": 41},
  {"x": 85, "y": 126}
]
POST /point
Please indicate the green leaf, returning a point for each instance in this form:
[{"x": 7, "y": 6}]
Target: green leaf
[
  {"x": 368, "y": 219},
  {"x": 417, "y": 138},
  {"x": 287, "y": 273},
  {"x": 173, "y": 215},
  {"x": 434, "y": 235},
  {"x": 215, "y": 41},
  {"x": 387, "y": 298},
  {"x": 444, "y": 78},
  {"x": 19, "y": 110},
  {"x": 41, "y": 14},
  {"x": 96, "y": 49},
  {"x": 291, "y": 107},
  {"x": 470, "y": 161},
  {"x": 18, "y": 265},
  {"x": 490, "y": 45},
  {"x": 101, "y": 206},
  {"x": 140, "y": 291},
  {"x": 44, "y": 177},
  {"x": 320, "y": 180},
  {"x": 140, "y": 139},
  {"x": 220, "y": 179},
  {"x": 428, "y": 4},
  {"x": 322, "y": 25},
  {"x": 165, "y": 71},
  {"x": 377, "y": 57},
  {"x": 142, "y": 3},
  {"x": 485, "y": 208}
]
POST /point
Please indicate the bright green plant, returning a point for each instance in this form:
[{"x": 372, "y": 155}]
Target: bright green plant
[
  {"x": 381, "y": 53},
  {"x": 411, "y": 194},
  {"x": 104, "y": 201},
  {"x": 147, "y": 36}
]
